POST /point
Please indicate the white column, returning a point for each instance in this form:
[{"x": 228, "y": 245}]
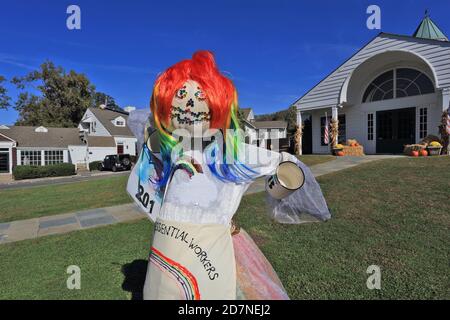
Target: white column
[
  {"x": 334, "y": 116},
  {"x": 10, "y": 160},
  {"x": 299, "y": 117},
  {"x": 19, "y": 157},
  {"x": 42, "y": 158},
  {"x": 334, "y": 113},
  {"x": 445, "y": 98},
  {"x": 65, "y": 156}
]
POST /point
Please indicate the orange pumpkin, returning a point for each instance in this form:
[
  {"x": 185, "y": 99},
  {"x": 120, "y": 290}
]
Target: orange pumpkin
[
  {"x": 340, "y": 153},
  {"x": 414, "y": 153},
  {"x": 423, "y": 153}
]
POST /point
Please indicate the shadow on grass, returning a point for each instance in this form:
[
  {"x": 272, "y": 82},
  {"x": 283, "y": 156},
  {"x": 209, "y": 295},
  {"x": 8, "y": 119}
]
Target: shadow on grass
[{"x": 134, "y": 273}]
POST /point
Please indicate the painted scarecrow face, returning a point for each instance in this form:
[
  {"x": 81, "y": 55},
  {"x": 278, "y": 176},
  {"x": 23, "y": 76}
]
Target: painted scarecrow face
[{"x": 190, "y": 110}]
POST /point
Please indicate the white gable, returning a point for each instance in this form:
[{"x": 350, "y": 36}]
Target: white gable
[
  {"x": 90, "y": 118},
  {"x": 251, "y": 115},
  {"x": 436, "y": 54},
  {"x": 41, "y": 129}
]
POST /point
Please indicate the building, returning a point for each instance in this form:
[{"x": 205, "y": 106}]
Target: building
[
  {"x": 101, "y": 132},
  {"x": 267, "y": 134},
  {"x": 391, "y": 92},
  {"x": 39, "y": 146},
  {"x": 106, "y": 132}
]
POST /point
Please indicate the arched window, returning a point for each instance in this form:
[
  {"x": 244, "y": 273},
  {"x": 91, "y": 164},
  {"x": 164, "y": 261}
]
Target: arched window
[{"x": 398, "y": 83}]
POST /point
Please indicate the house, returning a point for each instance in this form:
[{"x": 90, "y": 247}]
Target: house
[
  {"x": 391, "y": 92},
  {"x": 267, "y": 134},
  {"x": 106, "y": 131},
  {"x": 40, "y": 146},
  {"x": 101, "y": 132}
]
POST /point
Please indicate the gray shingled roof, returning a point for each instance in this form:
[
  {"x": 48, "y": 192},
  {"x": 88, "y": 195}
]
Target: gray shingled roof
[
  {"x": 250, "y": 124},
  {"x": 105, "y": 116},
  {"x": 3, "y": 139},
  {"x": 270, "y": 124},
  {"x": 55, "y": 137},
  {"x": 98, "y": 141}
]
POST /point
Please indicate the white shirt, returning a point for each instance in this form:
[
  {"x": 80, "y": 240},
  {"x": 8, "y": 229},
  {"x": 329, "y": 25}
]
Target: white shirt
[{"x": 204, "y": 198}]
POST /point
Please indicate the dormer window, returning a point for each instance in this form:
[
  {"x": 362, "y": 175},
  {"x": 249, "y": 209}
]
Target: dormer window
[
  {"x": 119, "y": 122},
  {"x": 41, "y": 129}
]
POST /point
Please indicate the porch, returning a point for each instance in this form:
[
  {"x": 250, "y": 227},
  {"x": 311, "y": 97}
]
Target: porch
[{"x": 389, "y": 100}]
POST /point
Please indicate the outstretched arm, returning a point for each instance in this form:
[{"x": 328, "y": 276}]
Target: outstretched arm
[{"x": 140, "y": 188}]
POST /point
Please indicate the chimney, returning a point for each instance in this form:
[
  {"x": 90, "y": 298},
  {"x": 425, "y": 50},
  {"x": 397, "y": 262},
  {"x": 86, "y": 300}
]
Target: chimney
[{"x": 129, "y": 109}]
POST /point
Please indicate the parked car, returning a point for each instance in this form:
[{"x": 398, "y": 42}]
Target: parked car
[{"x": 116, "y": 162}]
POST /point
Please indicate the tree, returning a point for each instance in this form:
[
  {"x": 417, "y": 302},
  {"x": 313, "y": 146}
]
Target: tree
[
  {"x": 64, "y": 97},
  {"x": 102, "y": 98},
  {"x": 4, "y": 99}
]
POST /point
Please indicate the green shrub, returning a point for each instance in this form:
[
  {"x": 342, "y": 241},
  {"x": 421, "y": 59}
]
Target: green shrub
[
  {"x": 94, "y": 165},
  {"x": 33, "y": 172}
]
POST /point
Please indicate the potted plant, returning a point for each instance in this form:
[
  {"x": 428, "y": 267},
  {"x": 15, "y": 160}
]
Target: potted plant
[{"x": 434, "y": 148}]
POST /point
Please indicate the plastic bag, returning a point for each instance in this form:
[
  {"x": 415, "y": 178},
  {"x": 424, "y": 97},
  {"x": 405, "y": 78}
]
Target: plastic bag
[{"x": 307, "y": 204}]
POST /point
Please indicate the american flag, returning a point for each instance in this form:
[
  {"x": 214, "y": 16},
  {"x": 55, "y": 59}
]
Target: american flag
[{"x": 326, "y": 133}]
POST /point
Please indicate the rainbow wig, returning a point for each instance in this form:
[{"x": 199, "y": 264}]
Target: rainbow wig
[{"x": 222, "y": 101}]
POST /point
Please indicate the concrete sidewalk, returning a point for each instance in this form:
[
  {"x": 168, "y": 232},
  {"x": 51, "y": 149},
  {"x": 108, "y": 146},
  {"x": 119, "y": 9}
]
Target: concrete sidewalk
[
  {"x": 342, "y": 163},
  {"x": 63, "y": 223},
  {"x": 57, "y": 224}
]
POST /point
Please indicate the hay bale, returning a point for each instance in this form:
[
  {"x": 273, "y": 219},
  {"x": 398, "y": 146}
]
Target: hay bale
[{"x": 357, "y": 151}]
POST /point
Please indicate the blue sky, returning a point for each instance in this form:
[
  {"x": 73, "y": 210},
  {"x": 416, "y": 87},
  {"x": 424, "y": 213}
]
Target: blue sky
[{"x": 273, "y": 50}]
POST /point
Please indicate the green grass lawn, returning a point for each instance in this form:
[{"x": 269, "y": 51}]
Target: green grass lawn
[
  {"x": 18, "y": 204},
  {"x": 313, "y": 159},
  {"x": 392, "y": 213}
]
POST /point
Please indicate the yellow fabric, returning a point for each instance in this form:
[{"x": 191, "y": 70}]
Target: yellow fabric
[{"x": 189, "y": 258}]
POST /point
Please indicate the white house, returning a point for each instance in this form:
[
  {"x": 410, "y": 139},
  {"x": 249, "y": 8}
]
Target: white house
[
  {"x": 267, "y": 134},
  {"x": 390, "y": 93},
  {"x": 40, "y": 146},
  {"x": 101, "y": 132},
  {"x": 106, "y": 132}
]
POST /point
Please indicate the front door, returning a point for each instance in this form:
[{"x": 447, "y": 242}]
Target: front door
[
  {"x": 307, "y": 137},
  {"x": 395, "y": 128},
  {"x": 120, "y": 149},
  {"x": 4, "y": 160}
]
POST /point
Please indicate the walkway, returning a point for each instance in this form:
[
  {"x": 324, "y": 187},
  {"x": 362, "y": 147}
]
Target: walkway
[{"x": 57, "y": 224}]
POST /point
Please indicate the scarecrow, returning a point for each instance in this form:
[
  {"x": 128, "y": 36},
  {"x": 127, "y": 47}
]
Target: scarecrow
[{"x": 190, "y": 176}]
